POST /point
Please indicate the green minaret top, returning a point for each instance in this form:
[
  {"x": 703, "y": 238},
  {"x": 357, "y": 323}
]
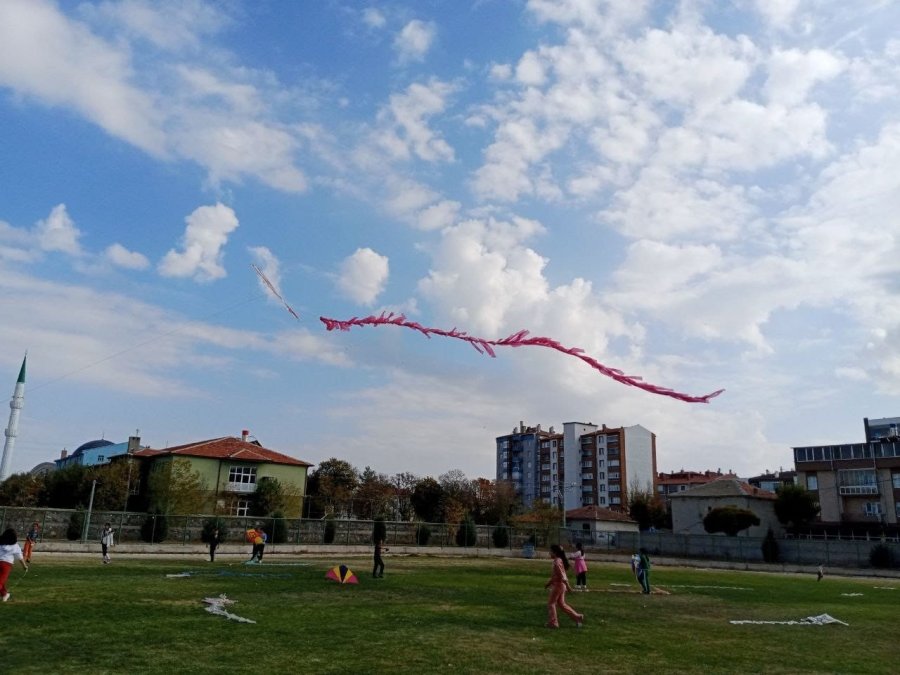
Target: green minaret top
[{"x": 22, "y": 371}]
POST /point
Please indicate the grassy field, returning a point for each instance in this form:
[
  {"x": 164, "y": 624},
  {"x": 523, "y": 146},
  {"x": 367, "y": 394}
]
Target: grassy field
[{"x": 434, "y": 614}]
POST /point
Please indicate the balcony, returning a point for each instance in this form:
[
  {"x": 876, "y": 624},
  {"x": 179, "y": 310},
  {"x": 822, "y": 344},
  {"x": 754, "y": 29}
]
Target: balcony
[
  {"x": 240, "y": 487},
  {"x": 858, "y": 490}
]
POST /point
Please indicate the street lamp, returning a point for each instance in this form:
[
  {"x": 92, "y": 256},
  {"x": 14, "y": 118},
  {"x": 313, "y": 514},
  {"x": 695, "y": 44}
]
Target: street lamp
[{"x": 562, "y": 500}]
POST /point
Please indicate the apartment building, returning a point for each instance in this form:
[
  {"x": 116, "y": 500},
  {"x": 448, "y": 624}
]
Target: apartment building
[
  {"x": 585, "y": 465},
  {"x": 855, "y": 483}
]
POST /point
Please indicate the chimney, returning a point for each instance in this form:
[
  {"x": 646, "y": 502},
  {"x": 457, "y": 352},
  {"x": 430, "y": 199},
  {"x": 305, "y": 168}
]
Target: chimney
[
  {"x": 245, "y": 434},
  {"x": 64, "y": 454},
  {"x": 134, "y": 442},
  {"x": 521, "y": 427}
]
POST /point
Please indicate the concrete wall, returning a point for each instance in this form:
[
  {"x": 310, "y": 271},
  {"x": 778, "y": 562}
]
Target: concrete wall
[{"x": 688, "y": 514}]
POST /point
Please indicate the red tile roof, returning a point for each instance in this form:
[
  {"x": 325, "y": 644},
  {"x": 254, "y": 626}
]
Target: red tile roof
[
  {"x": 227, "y": 447},
  {"x": 597, "y": 513},
  {"x": 725, "y": 487}
]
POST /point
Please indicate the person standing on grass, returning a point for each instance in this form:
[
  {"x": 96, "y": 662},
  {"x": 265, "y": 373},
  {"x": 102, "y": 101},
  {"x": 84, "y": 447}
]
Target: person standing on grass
[
  {"x": 378, "y": 567},
  {"x": 581, "y": 568},
  {"x": 30, "y": 540},
  {"x": 10, "y": 551},
  {"x": 558, "y": 585},
  {"x": 259, "y": 545},
  {"x": 107, "y": 536},
  {"x": 213, "y": 544},
  {"x": 643, "y": 567}
]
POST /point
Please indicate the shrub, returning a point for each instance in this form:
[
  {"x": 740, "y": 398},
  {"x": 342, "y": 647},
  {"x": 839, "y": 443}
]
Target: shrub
[
  {"x": 423, "y": 534},
  {"x": 155, "y": 528},
  {"x": 770, "y": 547},
  {"x": 500, "y": 535},
  {"x": 328, "y": 537},
  {"x": 466, "y": 535},
  {"x": 729, "y": 519},
  {"x": 379, "y": 530},
  {"x": 881, "y": 556},
  {"x": 75, "y": 527},
  {"x": 209, "y": 526}
]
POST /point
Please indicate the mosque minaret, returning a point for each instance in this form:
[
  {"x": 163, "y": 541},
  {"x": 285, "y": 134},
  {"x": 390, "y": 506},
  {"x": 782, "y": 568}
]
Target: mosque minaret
[{"x": 15, "y": 407}]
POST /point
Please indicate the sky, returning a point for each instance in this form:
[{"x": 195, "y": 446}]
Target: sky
[{"x": 704, "y": 194}]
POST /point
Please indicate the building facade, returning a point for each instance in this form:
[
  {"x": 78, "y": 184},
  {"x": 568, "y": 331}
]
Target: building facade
[
  {"x": 690, "y": 507},
  {"x": 668, "y": 484},
  {"x": 855, "y": 483},
  {"x": 585, "y": 465}
]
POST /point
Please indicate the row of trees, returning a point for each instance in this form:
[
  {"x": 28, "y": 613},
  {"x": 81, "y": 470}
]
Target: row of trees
[{"x": 337, "y": 488}]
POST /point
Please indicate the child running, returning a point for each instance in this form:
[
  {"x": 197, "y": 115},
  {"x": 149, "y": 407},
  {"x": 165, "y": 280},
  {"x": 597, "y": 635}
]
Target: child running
[
  {"x": 10, "y": 551},
  {"x": 558, "y": 585},
  {"x": 581, "y": 568},
  {"x": 30, "y": 540}
]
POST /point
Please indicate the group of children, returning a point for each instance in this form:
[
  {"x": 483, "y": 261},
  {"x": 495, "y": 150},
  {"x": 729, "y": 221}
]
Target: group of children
[{"x": 558, "y": 584}]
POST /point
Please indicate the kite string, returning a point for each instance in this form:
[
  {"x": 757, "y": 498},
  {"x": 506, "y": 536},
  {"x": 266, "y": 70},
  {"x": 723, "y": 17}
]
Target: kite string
[{"x": 519, "y": 339}]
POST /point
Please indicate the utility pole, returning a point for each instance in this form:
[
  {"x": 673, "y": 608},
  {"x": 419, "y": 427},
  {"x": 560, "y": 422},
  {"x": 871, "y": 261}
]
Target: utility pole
[{"x": 87, "y": 519}]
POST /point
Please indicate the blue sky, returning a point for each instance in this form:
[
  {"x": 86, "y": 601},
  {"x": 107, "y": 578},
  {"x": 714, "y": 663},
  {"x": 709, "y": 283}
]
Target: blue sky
[{"x": 704, "y": 194}]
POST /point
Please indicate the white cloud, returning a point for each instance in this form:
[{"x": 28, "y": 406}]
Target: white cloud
[
  {"x": 403, "y": 124},
  {"x": 60, "y": 62},
  {"x": 373, "y": 18},
  {"x": 530, "y": 70},
  {"x": 414, "y": 40},
  {"x": 120, "y": 256},
  {"x": 793, "y": 73},
  {"x": 438, "y": 215},
  {"x": 204, "y": 238},
  {"x": 363, "y": 276},
  {"x": 58, "y": 232}
]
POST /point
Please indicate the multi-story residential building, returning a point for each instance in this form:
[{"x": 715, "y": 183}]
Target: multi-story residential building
[
  {"x": 773, "y": 480},
  {"x": 585, "y": 465},
  {"x": 884, "y": 428},
  {"x": 855, "y": 483},
  {"x": 668, "y": 484}
]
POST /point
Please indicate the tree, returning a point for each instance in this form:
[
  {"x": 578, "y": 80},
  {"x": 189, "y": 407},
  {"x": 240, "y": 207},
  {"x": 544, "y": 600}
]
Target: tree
[
  {"x": 373, "y": 494},
  {"x": 111, "y": 490},
  {"x": 268, "y": 498},
  {"x": 729, "y": 519},
  {"x": 426, "y": 499},
  {"x": 795, "y": 507},
  {"x": 459, "y": 496},
  {"x": 646, "y": 508},
  {"x": 467, "y": 534},
  {"x": 22, "y": 489},
  {"x": 335, "y": 481},
  {"x": 174, "y": 488},
  {"x": 404, "y": 483},
  {"x": 495, "y": 501},
  {"x": 67, "y": 488}
]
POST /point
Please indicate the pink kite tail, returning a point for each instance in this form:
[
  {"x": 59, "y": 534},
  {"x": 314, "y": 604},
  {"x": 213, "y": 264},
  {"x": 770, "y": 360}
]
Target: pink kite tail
[{"x": 519, "y": 339}]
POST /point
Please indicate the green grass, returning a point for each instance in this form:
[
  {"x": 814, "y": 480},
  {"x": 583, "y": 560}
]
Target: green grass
[{"x": 433, "y": 614}]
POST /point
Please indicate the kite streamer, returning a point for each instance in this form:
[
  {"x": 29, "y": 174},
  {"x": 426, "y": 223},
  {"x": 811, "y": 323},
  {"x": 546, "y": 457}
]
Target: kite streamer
[
  {"x": 520, "y": 339},
  {"x": 271, "y": 287}
]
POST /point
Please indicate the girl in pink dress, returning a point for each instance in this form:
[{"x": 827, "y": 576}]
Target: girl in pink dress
[
  {"x": 558, "y": 585},
  {"x": 580, "y": 563}
]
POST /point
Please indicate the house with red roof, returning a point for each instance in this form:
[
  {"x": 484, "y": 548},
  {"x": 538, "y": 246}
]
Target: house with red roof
[{"x": 231, "y": 469}]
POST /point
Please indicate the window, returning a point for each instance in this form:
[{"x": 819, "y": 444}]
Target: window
[
  {"x": 613, "y": 463},
  {"x": 601, "y": 475},
  {"x": 554, "y": 444},
  {"x": 242, "y": 478},
  {"x": 587, "y": 464},
  {"x": 588, "y": 499},
  {"x": 587, "y": 476},
  {"x": 101, "y": 458},
  {"x": 895, "y": 479},
  {"x": 241, "y": 507},
  {"x": 873, "y": 508},
  {"x": 812, "y": 482},
  {"x": 601, "y": 500},
  {"x": 897, "y": 508}
]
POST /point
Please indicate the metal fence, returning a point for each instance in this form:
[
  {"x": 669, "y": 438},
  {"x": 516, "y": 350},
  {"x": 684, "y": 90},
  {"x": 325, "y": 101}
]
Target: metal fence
[{"x": 55, "y": 524}]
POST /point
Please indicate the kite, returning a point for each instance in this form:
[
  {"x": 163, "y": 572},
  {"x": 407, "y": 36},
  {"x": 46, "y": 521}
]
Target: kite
[
  {"x": 818, "y": 620},
  {"x": 271, "y": 287},
  {"x": 520, "y": 339},
  {"x": 217, "y": 606},
  {"x": 485, "y": 345},
  {"x": 342, "y": 575},
  {"x": 254, "y": 536}
]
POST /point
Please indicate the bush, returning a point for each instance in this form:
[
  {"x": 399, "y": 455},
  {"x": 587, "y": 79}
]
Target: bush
[
  {"x": 770, "y": 547},
  {"x": 279, "y": 528},
  {"x": 881, "y": 556},
  {"x": 209, "y": 526},
  {"x": 423, "y": 534},
  {"x": 466, "y": 535},
  {"x": 75, "y": 528},
  {"x": 729, "y": 519},
  {"x": 379, "y": 531},
  {"x": 328, "y": 537},
  {"x": 155, "y": 528},
  {"x": 500, "y": 535}
]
